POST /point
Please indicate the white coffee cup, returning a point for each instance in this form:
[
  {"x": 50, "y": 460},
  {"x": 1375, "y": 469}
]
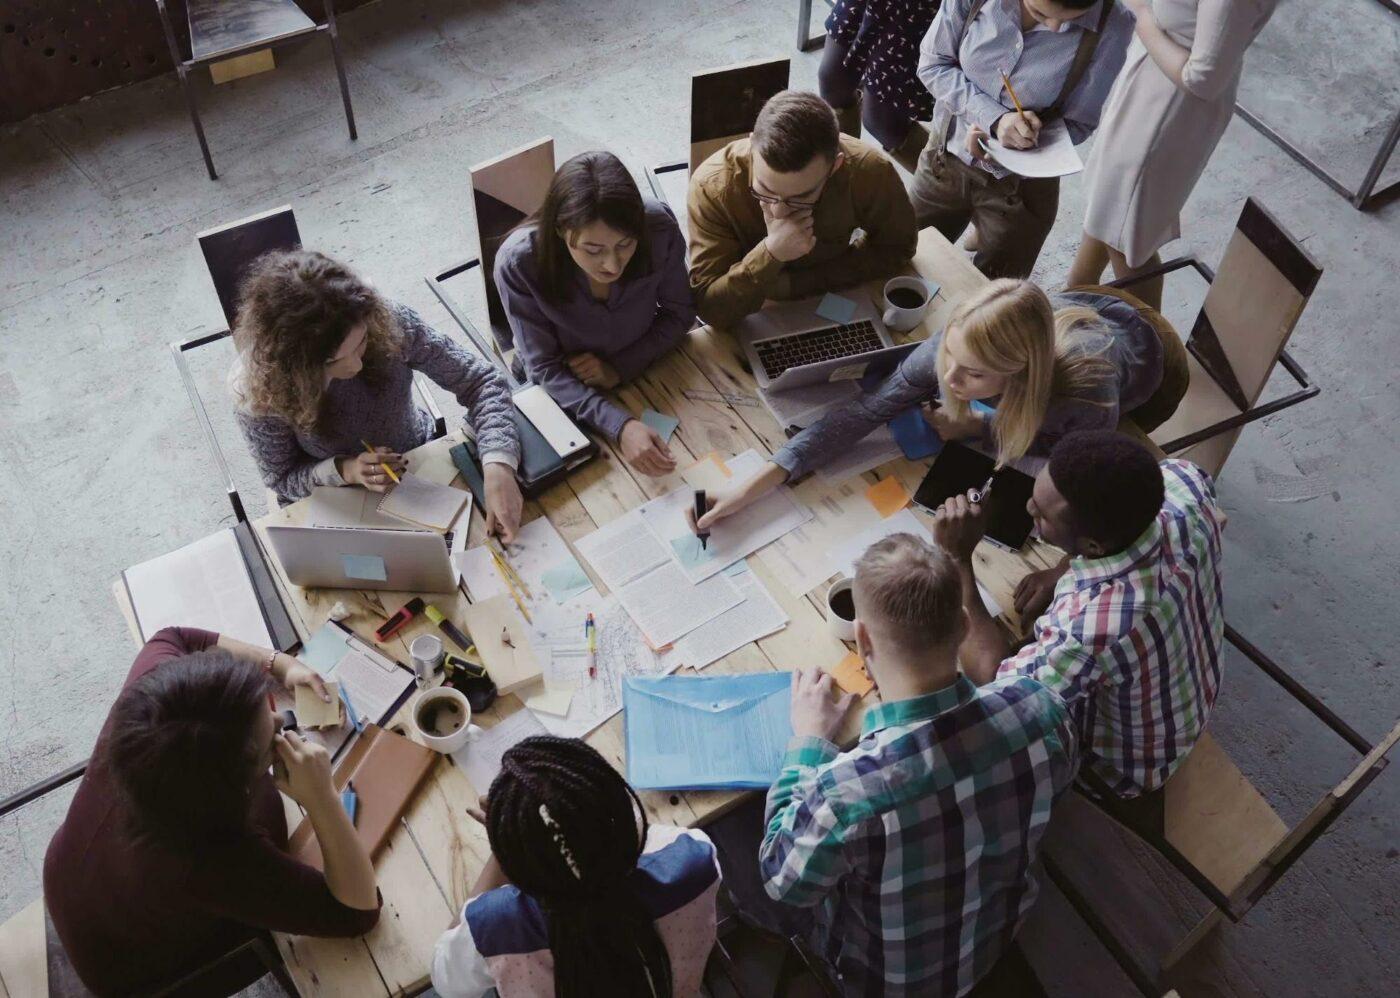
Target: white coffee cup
[
  {"x": 841, "y": 610},
  {"x": 442, "y": 719},
  {"x": 901, "y": 318}
]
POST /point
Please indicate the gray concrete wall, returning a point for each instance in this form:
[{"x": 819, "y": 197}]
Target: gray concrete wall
[{"x": 105, "y": 468}]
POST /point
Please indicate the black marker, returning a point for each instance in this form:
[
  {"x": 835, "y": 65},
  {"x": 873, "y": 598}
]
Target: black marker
[{"x": 701, "y": 508}]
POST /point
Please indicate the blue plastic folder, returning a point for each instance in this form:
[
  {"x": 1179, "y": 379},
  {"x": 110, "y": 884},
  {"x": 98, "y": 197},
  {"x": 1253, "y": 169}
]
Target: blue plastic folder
[
  {"x": 915, "y": 437},
  {"x": 706, "y": 732}
]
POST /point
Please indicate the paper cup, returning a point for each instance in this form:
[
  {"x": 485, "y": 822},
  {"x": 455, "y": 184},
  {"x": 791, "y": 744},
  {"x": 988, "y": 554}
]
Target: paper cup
[
  {"x": 442, "y": 719},
  {"x": 841, "y": 610}
]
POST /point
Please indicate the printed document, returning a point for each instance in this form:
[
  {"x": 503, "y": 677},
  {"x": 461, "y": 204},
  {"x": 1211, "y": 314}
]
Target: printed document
[{"x": 204, "y": 584}]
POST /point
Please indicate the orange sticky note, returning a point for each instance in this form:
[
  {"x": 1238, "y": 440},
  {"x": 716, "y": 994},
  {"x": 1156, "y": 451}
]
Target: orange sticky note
[
  {"x": 710, "y": 472},
  {"x": 887, "y": 496},
  {"x": 851, "y": 676}
]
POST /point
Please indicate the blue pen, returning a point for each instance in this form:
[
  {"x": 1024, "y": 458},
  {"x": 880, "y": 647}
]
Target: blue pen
[
  {"x": 350, "y": 709},
  {"x": 350, "y": 800}
]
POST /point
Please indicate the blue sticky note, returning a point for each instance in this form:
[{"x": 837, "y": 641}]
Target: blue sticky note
[
  {"x": 982, "y": 408},
  {"x": 663, "y": 424},
  {"x": 324, "y": 648},
  {"x": 738, "y": 568},
  {"x": 915, "y": 437},
  {"x": 689, "y": 550},
  {"x": 351, "y": 802},
  {"x": 837, "y": 309},
  {"x": 566, "y": 580},
  {"x": 369, "y": 567}
]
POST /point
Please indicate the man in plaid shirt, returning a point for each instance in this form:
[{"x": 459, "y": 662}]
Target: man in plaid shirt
[
  {"x": 1133, "y": 634},
  {"x": 917, "y": 842}
]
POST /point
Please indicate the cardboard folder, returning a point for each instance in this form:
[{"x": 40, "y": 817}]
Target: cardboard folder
[{"x": 387, "y": 770}]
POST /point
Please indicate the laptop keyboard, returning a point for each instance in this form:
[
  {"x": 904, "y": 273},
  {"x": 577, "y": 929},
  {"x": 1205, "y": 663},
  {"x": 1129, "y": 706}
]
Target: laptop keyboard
[{"x": 816, "y": 345}]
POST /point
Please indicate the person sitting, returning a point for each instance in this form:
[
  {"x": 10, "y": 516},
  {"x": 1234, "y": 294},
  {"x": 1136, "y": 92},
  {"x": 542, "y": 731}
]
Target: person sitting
[
  {"x": 174, "y": 848},
  {"x": 581, "y": 895},
  {"x": 1045, "y": 367},
  {"x": 1133, "y": 633},
  {"x": 773, "y": 215},
  {"x": 326, "y": 363},
  {"x": 918, "y": 842},
  {"x": 595, "y": 290}
]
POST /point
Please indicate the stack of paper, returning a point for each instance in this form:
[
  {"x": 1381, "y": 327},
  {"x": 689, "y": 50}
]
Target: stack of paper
[
  {"x": 758, "y": 616},
  {"x": 204, "y": 584}
]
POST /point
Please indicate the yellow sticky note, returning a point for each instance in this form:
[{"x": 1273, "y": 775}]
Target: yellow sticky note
[
  {"x": 887, "y": 496},
  {"x": 552, "y": 700},
  {"x": 313, "y": 712},
  {"x": 851, "y": 676},
  {"x": 710, "y": 473}
]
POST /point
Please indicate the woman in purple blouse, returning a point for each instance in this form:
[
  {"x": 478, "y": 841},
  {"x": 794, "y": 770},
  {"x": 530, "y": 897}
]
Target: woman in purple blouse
[{"x": 595, "y": 287}]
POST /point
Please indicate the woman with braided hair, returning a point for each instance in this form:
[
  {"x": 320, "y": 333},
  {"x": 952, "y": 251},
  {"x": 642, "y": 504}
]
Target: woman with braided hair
[{"x": 581, "y": 896}]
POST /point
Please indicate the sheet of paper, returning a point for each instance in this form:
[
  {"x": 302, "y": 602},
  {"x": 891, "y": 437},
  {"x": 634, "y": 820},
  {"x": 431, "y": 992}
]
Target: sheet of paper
[
  {"x": 313, "y": 712},
  {"x": 204, "y": 584},
  {"x": 988, "y": 600},
  {"x": 888, "y": 496},
  {"x": 732, "y": 538},
  {"x": 1053, "y": 156},
  {"x": 839, "y": 310},
  {"x": 663, "y": 424},
  {"x": 800, "y": 560},
  {"x": 537, "y": 549},
  {"x": 348, "y": 506},
  {"x": 878, "y": 447},
  {"x": 758, "y": 616},
  {"x": 850, "y": 675},
  {"x": 845, "y": 555},
  {"x": 802, "y": 407},
  {"x": 481, "y": 759},
  {"x": 417, "y": 500},
  {"x": 374, "y": 684},
  {"x": 552, "y": 700},
  {"x": 433, "y": 461},
  {"x": 623, "y": 551},
  {"x": 666, "y": 605},
  {"x": 566, "y": 580},
  {"x": 711, "y": 473}
]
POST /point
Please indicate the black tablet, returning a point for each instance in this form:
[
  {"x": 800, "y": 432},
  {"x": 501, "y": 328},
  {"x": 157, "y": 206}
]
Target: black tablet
[{"x": 958, "y": 468}]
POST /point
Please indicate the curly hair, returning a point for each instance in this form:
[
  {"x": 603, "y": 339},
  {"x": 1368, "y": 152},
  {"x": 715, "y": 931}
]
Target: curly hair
[{"x": 295, "y": 308}]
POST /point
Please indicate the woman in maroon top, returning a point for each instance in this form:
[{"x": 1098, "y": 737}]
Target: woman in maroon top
[{"x": 174, "y": 848}]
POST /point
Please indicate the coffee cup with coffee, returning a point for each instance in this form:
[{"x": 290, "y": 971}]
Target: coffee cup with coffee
[
  {"x": 841, "y": 610},
  {"x": 908, "y": 299},
  {"x": 442, "y": 720}
]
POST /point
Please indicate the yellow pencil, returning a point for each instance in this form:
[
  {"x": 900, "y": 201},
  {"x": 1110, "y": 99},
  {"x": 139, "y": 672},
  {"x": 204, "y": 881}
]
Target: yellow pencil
[
  {"x": 387, "y": 470},
  {"x": 1014, "y": 99},
  {"x": 499, "y": 554},
  {"x": 519, "y": 603}
]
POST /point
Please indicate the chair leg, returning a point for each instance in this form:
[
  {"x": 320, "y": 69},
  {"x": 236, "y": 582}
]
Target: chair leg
[
  {"x": 194, "y": 118},
  {"x": 272, "y": 960},
  {"x": 334, "y": 34},
  {"x": 1184, "y": 949}
]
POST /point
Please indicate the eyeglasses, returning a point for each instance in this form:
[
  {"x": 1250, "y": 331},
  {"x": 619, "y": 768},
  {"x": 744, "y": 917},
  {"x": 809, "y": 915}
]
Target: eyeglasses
[{"x": 790, "y": 202}]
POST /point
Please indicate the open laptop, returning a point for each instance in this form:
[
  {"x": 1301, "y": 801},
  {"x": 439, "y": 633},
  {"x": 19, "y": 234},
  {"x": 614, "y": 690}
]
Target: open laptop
[
  {"x": 789, "y": 345},
  {"x": 364, "y": 558}
]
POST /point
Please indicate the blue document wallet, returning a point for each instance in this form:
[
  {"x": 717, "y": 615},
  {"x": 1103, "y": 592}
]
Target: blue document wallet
[
  {"x": 916, "y": 438},
  {"x": 706, "y": 732}
]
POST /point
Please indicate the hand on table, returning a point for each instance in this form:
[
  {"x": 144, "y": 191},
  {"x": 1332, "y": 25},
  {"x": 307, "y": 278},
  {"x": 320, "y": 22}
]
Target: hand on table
[
  {"x": 1033, "y": 592},
  {"x": 959, "y": 524},
  {"x": 790, "y": 237},
  {"x": 814, "y": 713},
  {"x": 503, "y": 501},
  {"x": 1016, "y": 132},
  {"x": 731, "y": 500},
  {"x": 951, "y": 427},
  {"x": 593, "y": 371},
  {"x": 367, "y": 469},
  {"x": 302, "y": 770},
  {"x": 643, "y": 448}
]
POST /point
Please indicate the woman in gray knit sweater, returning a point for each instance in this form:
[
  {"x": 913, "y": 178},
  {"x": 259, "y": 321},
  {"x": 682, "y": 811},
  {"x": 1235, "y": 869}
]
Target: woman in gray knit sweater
[{"x": 326, "y": 363}]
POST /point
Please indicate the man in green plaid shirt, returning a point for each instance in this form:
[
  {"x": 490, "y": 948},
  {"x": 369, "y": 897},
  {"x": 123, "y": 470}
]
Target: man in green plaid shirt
[{"x": 918, "y": 842}]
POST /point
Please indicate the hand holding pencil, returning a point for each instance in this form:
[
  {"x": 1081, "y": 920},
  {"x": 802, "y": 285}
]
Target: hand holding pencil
[
  {"x": 377, "y": 469},
  {"x": 1019, "y": 129}
]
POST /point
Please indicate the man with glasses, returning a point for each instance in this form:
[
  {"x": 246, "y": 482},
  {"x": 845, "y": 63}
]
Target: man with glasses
[{"x": 776, "y": 215}]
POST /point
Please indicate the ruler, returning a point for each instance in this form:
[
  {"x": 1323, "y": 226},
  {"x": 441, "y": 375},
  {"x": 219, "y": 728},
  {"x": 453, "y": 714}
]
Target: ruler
[{"x": 695, "y": 395}]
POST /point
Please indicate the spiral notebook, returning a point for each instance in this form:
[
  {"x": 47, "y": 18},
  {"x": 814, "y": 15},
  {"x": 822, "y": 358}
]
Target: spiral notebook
[{"x": 423, "y": 502}]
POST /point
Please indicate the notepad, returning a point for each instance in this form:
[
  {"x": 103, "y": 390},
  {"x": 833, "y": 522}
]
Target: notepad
[
  {"x": 427, "y": 504},
  {"x": 888, "y": 497},
  {"x": 850, "y": 675},
  {"x": 313, "y": 712},
  {"x": 553, "y": 700},
  {"x": 502, "y": 640},
  {"x": 1053, "y": 155},
  {"x": 836, "y": 308}
]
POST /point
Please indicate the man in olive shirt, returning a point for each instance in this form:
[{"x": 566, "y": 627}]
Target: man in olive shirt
[{"x": 773, "y": 215}]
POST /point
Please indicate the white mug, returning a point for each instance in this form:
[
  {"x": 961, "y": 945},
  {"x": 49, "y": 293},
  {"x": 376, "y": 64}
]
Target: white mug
[
  {"x": 843, "y": 627},
  {"x": 452, "y": 700},
  {"x": 902, "y": 319}
]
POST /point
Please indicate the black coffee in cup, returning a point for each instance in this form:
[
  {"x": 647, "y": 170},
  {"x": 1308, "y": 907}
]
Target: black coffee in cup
[
  {"x": 440, "y": 716},
  {"x": 843, "y": 604},
  {"x": 906, "y": 298}
]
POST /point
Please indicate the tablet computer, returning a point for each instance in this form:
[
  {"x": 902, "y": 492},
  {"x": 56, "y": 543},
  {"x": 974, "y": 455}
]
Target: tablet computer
[{"x": 958, "y": 468}]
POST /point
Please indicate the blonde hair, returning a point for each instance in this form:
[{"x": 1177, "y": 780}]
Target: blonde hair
[
  {"x": 910, "y": 589},
  {"x": 1010, "y": 328}
]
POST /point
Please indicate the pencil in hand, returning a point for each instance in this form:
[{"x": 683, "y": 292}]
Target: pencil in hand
[{"x": 387, "y": 470}]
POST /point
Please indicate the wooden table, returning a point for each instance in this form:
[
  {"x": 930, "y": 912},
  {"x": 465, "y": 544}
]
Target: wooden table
[{"x": 428, "y": 866}]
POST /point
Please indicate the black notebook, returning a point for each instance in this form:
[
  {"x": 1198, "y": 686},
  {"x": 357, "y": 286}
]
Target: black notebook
[{"x": 958, "y": 468}]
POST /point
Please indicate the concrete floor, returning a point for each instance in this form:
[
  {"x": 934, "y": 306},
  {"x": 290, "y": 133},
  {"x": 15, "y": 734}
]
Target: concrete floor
[{"x": 99, "y": 271}]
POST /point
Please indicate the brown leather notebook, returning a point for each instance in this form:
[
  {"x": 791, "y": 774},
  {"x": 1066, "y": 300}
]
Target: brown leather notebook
[{"x": 387, "y": 770}]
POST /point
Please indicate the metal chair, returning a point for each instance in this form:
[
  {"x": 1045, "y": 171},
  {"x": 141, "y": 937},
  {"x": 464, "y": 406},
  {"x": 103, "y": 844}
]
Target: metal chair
[
  {"x": 1263, "y": 284},
  {"x": 229, "y": 250},
  {"x": 223, "y": 29},
  {"x": 724, "y": 103},
  {"x": 1211, "y": 824}
]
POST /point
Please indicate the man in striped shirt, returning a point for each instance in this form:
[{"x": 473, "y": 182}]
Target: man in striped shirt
[
  {"x": 1133, "y": 634},
  {"x": 917, "y": 842}
]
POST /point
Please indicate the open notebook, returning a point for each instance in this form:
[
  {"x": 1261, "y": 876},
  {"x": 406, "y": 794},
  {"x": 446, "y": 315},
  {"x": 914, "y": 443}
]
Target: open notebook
[{"x": 423, "y": 502}]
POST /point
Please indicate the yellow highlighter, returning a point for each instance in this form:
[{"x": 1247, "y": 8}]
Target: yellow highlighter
[{"x": 387, "y": 470}]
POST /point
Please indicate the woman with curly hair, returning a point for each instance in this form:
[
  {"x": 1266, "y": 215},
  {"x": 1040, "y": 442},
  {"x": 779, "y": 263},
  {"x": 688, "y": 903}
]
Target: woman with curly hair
[{"x": 326, "y": 363}]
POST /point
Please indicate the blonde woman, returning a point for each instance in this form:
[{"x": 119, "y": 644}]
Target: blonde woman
[
  {"x": 1045, "y": 368},
  {"x": 326, "y": 362}
]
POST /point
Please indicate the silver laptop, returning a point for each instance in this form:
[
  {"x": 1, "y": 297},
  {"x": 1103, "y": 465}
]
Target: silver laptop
[
  {"x": 364, "y": 558},
  {"x": 789, "y": 345}
]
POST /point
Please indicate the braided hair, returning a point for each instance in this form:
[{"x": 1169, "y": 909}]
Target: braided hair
[{"x": 568, "y": 830}]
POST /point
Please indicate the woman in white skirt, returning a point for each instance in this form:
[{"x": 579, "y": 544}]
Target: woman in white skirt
[{"x": 1167, "y": 111}]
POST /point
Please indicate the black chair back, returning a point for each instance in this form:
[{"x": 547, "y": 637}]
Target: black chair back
[{"x": 230, "y": 249}]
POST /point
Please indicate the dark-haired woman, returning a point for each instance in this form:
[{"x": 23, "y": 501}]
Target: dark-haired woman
[
  {"x": 174, "y": 848},
  {"x": 326, "y": 362},
  {"x": 596, "y": 290},
  {"x": 580, "y": 896}
]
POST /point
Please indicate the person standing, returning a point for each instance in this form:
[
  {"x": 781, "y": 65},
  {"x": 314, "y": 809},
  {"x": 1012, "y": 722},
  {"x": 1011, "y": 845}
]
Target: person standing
[
  {"x": 868, "y": 73},
  {"x": 1164, "y": 118},
  {"x": 1061, "y": 57}
]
